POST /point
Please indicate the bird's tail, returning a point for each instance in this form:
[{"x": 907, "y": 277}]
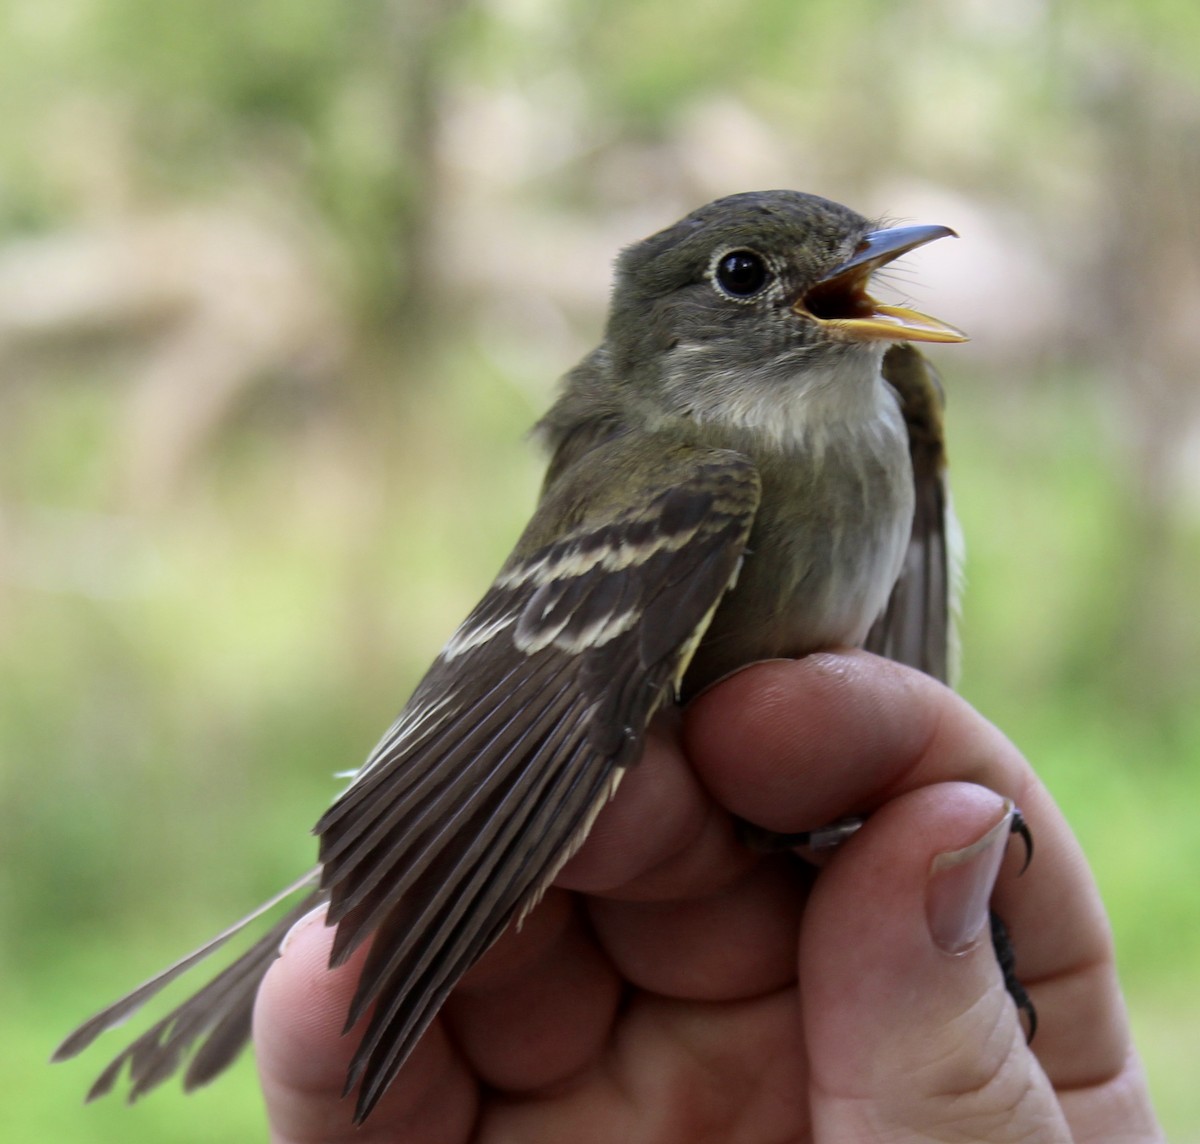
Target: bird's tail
[{"x": 217, "y": 1016}]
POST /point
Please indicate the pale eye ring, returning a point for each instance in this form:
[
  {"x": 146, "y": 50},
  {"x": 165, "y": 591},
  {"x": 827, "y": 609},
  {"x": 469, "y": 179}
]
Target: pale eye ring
[{"x": 741, "y": 273}]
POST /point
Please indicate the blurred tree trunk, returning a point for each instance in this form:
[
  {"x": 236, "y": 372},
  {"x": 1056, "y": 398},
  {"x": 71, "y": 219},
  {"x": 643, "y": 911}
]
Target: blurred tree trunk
[
  {"x": 1146, "y": 295},
  {"x": 417, "y": 38}
]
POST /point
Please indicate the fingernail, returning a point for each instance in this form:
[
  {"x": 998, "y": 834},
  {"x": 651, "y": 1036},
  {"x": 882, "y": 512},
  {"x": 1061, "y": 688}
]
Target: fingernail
[
  {"x": 960, "y": 888},
  {"x": 299, "y": 925}
]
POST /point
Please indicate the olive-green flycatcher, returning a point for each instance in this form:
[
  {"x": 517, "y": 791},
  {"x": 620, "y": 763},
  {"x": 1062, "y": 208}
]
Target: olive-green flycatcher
[{"x": 749, "y": 465}]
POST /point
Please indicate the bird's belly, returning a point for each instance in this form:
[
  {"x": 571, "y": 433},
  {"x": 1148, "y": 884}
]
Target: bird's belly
[
  {"x": 816, "y": 577},
  {"x": 838, "y": 607}
]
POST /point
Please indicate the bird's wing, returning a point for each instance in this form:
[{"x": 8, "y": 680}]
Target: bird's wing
[
  {"x": 495, "y": 769},
  {"x": 917, "y": 626},
  {"x": 518, "y": 734},
  {"x": 498, "y": 764},
  {"x": 512, "y": 743}
]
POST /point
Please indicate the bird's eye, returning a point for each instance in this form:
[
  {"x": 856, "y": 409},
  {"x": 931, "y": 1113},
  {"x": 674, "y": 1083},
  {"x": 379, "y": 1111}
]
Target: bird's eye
[{"x": 741, "y": 273}]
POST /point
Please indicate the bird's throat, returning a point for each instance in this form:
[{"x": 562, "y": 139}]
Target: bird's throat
[{"x": 791, "y": 406}]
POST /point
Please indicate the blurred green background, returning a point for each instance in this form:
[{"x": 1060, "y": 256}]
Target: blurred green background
[{"x": 281, "y": 286}]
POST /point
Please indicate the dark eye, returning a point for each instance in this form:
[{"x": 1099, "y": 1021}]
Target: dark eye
[{"x": 742, "y": 273}]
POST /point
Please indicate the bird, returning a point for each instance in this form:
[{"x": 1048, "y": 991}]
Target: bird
[{"x": 750, "y": 465}]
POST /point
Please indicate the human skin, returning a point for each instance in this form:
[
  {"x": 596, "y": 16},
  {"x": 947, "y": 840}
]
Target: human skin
[{"x": 675, "y": 988}]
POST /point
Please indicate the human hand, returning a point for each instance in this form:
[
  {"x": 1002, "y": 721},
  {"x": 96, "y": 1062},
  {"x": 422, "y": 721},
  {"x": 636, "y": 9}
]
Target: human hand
[{"x": 674, "y": 987}]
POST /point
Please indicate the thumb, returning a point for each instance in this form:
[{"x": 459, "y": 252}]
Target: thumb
[{"x": 911, "y": 1033}]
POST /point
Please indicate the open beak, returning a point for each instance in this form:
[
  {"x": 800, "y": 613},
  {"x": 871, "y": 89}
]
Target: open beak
[{"x": 840, "y": 301}]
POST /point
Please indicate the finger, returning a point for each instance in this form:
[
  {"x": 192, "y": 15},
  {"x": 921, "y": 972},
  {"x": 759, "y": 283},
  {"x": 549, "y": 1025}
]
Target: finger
[
  {"x": 736, "y": 943},
  {"x": 678, "y": 1071},
  {"x": 539, "y": 1006},
  {"x": 838, "y": 733},
  {"x": 904, "y": 1008},
  {"x": 302, "y": 1058},
  {"x": 661, "y": 837},
  {"x": 795, "y": 744}
]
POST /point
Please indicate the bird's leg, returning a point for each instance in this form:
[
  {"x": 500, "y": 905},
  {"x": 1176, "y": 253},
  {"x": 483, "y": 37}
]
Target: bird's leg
[
  {"x": 1007, "y": 958},
  {"x": 825, "y": 838}
]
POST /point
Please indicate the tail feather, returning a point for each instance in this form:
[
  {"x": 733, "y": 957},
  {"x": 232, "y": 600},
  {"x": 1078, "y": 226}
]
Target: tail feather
[{"x": 217, "y": 1016}]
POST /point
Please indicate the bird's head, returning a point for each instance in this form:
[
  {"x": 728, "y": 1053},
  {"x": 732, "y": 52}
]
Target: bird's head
[{"x": 763, "y": 292}]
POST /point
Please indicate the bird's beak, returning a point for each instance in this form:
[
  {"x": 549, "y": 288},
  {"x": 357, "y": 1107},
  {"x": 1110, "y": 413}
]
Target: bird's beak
[{"x": 840, "y": 301}]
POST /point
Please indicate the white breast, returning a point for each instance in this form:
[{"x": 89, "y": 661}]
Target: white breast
[{"x": 831, "y": 533}]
